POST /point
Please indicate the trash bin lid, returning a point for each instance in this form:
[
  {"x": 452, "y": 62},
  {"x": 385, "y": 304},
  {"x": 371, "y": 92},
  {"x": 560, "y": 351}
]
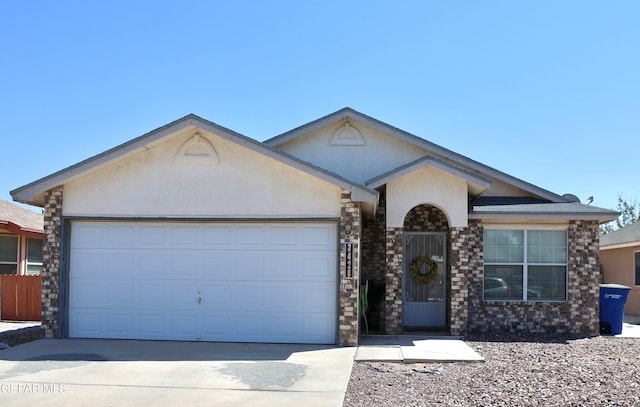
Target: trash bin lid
[{"x": 622, "y": 287}]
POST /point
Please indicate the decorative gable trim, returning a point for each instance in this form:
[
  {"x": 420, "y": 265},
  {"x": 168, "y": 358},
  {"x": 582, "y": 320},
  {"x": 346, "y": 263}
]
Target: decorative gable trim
[
  {"x": 197, "y": 150},
  {"x": 347, "y": 135}
]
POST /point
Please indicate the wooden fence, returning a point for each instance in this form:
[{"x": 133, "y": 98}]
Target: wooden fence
[{"x": 20, "y": 297}]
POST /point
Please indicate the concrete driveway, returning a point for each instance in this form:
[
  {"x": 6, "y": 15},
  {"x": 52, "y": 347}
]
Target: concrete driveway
[{"x": 63, "y": 372}]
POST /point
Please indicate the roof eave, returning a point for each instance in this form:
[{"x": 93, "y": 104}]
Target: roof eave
[
  {"x": 620, "y": 245},
  {"x": 537, "y": 217},
  {"x": 476, "y": 182},
  {"x": 445, "y": 153},
  {"x": 16, "y": 229},
  {"x": 28, "y": 193}
]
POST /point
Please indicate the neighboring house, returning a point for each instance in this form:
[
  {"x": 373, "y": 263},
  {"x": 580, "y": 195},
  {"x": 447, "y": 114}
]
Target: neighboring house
[
  {"x": 620, "y": 257},
  {"x": 21, "y": 232},
  {"x": 195, "y": 232}
]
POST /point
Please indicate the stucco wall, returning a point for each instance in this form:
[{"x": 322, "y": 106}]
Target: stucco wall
[
  {"x": 618, "y": 268},
  {"x": 427, "y": 186},
  {"x": 376, "y": 153},
  {"x": 241, "y": 183}
]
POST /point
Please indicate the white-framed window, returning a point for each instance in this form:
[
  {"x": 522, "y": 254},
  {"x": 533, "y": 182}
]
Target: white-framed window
[
  {"x": 636, "y": 265},
  {"x": 525, "y": 265},
  {"x": 34, "y": 256},
  {"x": 8, "y": 255}
]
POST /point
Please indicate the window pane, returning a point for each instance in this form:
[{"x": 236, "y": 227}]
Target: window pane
[
  {"x": 34, "y": 269},
  {"x": 546, "y": 283},
  {"x": 503, "y": 282},
  {"x": 8, "y": 269},
  {"x": 9, "y": 249},
  {"x": 34, "y": 251},
  {"x": 504, "y": 246},
  {"x": 637, "y": 255},
  {"x": 547, "y": 246}
]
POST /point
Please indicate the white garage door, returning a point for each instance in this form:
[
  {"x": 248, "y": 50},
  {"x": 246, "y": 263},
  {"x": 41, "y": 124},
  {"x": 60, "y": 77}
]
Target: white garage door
[{"x": 241, "y": 282}]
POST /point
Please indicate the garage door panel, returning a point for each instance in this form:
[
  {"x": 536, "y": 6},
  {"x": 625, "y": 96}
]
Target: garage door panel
[
  {"x": 87, "y": 323},
  {"x": 85, "y": 293},
  {"x": 314, "y": 268},
  {"x": 248, "y": 267},
  {"x": 119, "y": 323},
  {"x": 214, "y": 266},
  {"x": 215, "y": 327},
  {"x": 257, "y": 282},
  {"x": 216, "y": 297},
  {"x": 90, "y": 262},
  {"x": 249, "y": 236},
  {"x": 215, "y": 236},
  {"x": 152, "y": 236},
  {"x": 315, "y": 326},
  {"x": 119, "y": 236},
  {"x": 152, "y": 264},
  {"x": 151, "y": 324},
  {"x": 87, "y": 238},
  {"x": 245, "y": 298},
  {"x": 316, "y": 236},
  {"x": 284, "y": 235},
  {"x": 115, "y": 265},
  {"x": 315, "y": 297},
  {"x": 164, "y": 295},
  {"x": 281, "y": 266},
  {"x": 117, "y": 296}
]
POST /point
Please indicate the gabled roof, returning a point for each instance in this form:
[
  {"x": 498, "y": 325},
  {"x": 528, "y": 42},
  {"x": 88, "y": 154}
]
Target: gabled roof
[
  {"x": 33, "y": 193},
  {"x": 20, "y": 221},
  {"x": 476, "y": 183},
  {"x": 442, "y": 153},
  {"x": 624, "y": 237}
]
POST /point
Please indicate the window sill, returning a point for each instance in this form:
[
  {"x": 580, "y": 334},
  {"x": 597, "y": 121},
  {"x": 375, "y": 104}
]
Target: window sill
[{"x": 524, "y": 302}]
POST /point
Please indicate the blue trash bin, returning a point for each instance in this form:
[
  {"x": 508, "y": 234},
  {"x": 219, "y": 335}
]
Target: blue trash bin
[{"x": 612, "y": 300}]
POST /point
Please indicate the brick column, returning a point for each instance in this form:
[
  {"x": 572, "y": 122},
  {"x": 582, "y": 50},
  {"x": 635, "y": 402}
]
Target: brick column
[
  {"x": 51, "y": 261},
  {"x": 465, "y": 260},
  {"x": 350, "y": 231},
  {"x": 583, "y": 291},
  {"x": 393, "y": 297}
]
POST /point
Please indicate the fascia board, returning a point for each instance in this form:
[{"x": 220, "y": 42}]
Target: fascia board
[
  {"x": 311, "y": 127},
  {"x": 526, "y": 216},
  {"x": 620, "y": 245},
  {"x": 26, "y": 194}
]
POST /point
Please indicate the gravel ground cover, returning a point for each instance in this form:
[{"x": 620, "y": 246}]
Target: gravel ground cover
[
  {"x": 518, "y": 371},
  {"x": 18, "y": 336}
]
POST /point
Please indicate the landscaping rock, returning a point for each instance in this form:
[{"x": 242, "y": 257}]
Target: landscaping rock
[{"x": 518, "y": 371}]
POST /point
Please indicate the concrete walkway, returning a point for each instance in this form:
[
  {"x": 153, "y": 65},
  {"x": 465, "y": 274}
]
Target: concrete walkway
[
  {"x": 14, "y": 325},
  {"x": 415, "y": 349},
  {"x": 93, "y": 372},
  {"x": 630, "y": 327}
]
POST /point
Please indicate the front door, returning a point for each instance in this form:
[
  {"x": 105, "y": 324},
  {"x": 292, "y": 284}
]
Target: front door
[{"x": 425, "y": 278}]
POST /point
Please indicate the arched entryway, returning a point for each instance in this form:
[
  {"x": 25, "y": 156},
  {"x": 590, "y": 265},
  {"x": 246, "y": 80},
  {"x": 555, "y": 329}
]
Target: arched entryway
[{"x": 425, "y": 279}]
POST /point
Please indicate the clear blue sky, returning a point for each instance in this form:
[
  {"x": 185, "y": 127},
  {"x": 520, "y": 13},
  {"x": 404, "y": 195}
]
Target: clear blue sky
[{"x": 547, "y": 91}]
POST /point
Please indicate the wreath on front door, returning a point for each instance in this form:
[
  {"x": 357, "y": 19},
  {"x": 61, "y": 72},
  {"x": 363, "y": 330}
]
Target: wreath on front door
[{"x": 424, "y": 278}]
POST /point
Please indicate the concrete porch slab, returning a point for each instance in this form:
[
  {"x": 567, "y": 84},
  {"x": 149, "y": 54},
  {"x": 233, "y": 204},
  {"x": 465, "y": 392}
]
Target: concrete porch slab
[
  {"x": 415, "y": 349},
  {"x": 379, "y": 353}
]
